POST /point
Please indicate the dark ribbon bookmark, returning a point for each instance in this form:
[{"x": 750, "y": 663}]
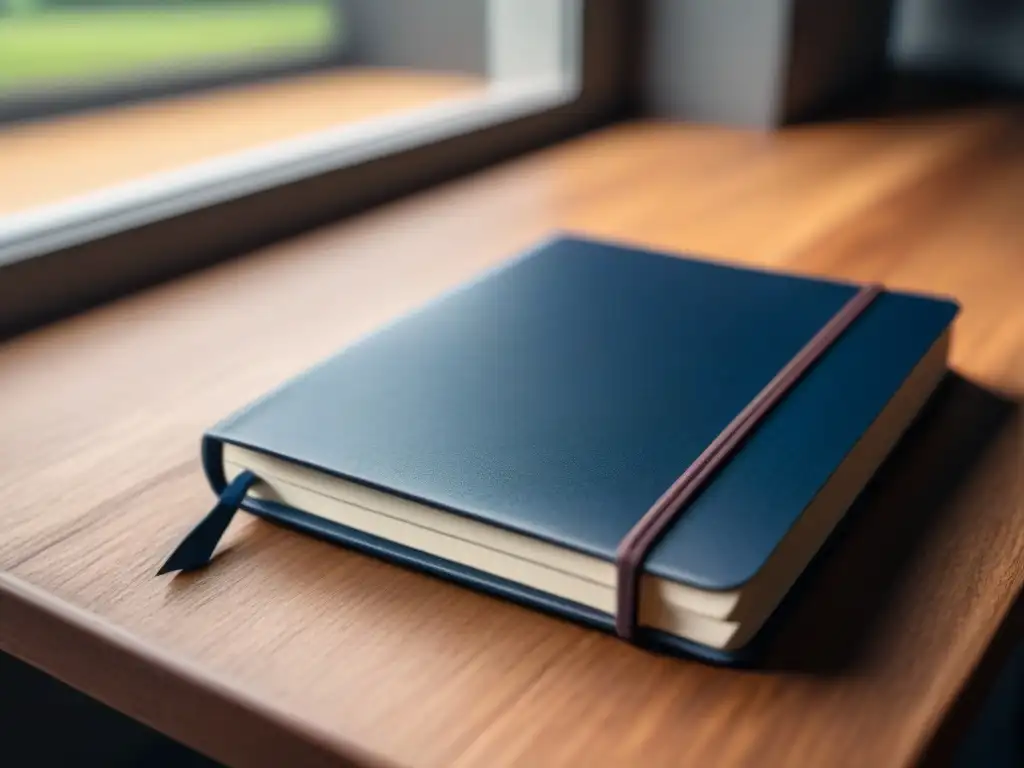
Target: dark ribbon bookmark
[
  {"x": 197, "y": 547},
  {"x": 636, "y": 545}
]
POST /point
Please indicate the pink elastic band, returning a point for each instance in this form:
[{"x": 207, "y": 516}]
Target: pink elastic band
[{"x": 634, "y": 548}]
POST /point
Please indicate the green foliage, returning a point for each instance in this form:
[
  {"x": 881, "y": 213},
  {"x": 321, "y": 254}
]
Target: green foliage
[
  {"x": 62, "y": 44},
  {"x": 21, "y": 7},
  {"x": 102, "y": 4}
]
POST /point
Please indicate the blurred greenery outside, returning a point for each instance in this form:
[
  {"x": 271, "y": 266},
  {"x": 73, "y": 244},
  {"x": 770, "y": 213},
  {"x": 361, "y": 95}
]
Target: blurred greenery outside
[{"x": 48, "y": 41}]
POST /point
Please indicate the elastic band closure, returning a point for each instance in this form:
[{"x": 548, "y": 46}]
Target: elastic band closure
[
  {"x": 196, "y": 549},
  {"x": 635, "y": 546}
]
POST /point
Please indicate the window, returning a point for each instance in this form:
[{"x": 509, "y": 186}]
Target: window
[
  {"x": 362, "y": 79},
  {"x": 145, "y": 159}
]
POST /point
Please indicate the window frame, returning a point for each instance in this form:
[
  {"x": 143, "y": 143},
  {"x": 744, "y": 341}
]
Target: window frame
[{"x": 60, "y": 259}]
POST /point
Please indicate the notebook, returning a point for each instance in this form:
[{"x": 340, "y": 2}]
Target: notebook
[{"x": 653, "y": 445}]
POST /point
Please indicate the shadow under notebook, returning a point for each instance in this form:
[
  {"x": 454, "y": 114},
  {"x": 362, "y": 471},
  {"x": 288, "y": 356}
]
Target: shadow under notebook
[{"x": 827, "y": 623}]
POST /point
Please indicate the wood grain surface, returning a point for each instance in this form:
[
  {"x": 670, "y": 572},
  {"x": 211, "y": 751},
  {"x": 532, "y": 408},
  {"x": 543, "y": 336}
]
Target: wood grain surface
[
  {"x": 311, "y": 647},
  {"x": 52, "y": 160}
]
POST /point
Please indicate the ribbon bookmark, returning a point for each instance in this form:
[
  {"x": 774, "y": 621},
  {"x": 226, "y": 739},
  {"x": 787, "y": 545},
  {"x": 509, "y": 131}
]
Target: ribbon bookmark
[{"x": 197, "y": 547}]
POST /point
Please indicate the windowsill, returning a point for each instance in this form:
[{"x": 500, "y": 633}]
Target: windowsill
[{"x": 52, "y": 161}]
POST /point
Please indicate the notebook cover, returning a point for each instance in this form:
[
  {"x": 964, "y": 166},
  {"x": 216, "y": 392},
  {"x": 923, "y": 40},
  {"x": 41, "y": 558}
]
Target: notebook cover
[{"x": 559, "y": 395}]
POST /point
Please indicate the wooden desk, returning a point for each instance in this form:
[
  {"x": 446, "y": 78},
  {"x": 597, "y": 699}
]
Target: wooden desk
[{"x": 288, "y": 651}]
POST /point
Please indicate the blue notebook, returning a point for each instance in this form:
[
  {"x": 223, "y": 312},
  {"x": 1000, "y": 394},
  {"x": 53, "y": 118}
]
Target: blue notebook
[{"x": 509, "y": 435}]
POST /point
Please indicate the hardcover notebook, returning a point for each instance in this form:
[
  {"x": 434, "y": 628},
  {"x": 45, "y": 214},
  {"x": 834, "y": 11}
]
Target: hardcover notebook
[{"x": 649, "y": 444}]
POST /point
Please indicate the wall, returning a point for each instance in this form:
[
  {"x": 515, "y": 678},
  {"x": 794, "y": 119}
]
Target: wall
[
  {"x": 438, "y": 35},
  {"x": 760, "y": 63},
  {"x": 715, "y": 62}
]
